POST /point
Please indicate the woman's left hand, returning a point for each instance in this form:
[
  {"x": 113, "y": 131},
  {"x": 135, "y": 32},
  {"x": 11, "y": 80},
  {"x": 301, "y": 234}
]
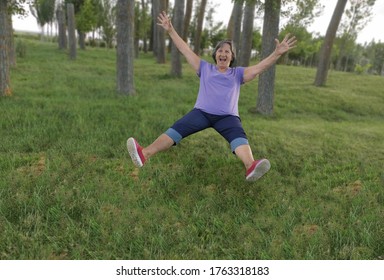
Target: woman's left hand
[{"x": 289, "y": 42}]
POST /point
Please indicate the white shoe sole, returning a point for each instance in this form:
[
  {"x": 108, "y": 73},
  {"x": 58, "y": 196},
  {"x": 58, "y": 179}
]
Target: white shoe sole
[
  {"x": 132, "y": 150},
  {"x": 261, "y": 168}
]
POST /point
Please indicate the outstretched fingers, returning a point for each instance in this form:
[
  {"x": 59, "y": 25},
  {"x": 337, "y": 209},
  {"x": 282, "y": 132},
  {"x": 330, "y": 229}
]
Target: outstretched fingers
[
  {"x": 162, "y": 17},
  {"x": 290, "y": 40},
  {"x": 164, "y": 21}
]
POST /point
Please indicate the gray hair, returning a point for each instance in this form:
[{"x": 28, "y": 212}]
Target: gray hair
[{"x": 220, "y": 45}]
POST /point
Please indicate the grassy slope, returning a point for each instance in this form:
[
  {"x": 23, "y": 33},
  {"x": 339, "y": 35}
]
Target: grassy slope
[{"x": 68, "y": 190}]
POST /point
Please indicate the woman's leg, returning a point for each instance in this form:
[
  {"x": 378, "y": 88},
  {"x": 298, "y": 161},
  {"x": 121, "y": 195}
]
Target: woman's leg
[
  {"x": 162, "y": 143},
  {"x": 244, "y": 153},
  {"x": 231, "y": 129},
  {"x": 190, "y": 123}
]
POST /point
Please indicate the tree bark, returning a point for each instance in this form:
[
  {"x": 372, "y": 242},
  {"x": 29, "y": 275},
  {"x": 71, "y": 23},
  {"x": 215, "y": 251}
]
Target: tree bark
[
  {"x": 5, "y": 88},
  {"x": 234, "y": 25},
  {"x": 125, "y": 34},
  {"x": 199, "y": 28},
  {"x": 11, "y": 42},
  {"x": 246, "y": 34},
  {"x": 326, "y": 49},
  {"x": 158, "y": 32},
  {"x": 62, "y": 40},
  {"x": 178, "y": 18},
  {"x": 144, "y": 17},
  {"x": 81, "y": 39},
  {"x": 266, "y": 85},
  {"x": 71, "y": 31},
  {"x": 187, "y": 19}
]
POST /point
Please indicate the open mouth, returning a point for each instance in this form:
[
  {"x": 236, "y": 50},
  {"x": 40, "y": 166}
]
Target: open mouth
[{"x": 222, "y": 59}]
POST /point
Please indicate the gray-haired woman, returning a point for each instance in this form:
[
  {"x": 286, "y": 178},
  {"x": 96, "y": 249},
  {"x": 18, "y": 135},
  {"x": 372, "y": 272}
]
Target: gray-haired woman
[{"x": 217, "y": 102}]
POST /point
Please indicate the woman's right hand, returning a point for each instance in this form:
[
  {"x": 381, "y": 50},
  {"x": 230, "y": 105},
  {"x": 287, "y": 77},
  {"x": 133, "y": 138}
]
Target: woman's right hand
[{"x": 164, "y": 21}]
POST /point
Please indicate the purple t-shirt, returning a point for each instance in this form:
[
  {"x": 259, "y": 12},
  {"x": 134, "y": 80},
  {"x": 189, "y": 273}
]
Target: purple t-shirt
[{"x": 219, "y": 92}]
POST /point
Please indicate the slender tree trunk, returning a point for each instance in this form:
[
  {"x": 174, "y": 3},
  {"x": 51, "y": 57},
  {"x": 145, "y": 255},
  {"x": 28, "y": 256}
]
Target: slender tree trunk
[
  {"x": 234, "y": 25},
  {"x": 5, "y": 88},
  {"x": 187, "y": 19},
  {"x": 144, "y": 17},
  {"x": 62, "y": 40},
  {"x": 246, "y": 35},
  {"x": 81, "y": 40},
  {"x": 199, "y": 28},
  {"x": 11, "y": 42},
  {"x": 71, "y": 31},
  {"x": 125, "y": 35},
  {"x": 326, "y": 49},
  {"x": 178, "y": 19},
  {"x": 266, "y": 85},
  {"x": 158, "y": 32}
]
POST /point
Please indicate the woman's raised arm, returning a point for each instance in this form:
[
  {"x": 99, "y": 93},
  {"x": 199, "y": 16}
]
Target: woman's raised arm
[
  {"x": 192, "y": 58},
  {"x": 282, "y": 47}
]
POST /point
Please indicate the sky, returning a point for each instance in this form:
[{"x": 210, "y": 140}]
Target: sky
[{"x": 373, "y": 29}]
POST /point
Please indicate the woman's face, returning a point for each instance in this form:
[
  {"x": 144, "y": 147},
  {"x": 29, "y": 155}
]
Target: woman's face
[{"x": 224, "y": 56}]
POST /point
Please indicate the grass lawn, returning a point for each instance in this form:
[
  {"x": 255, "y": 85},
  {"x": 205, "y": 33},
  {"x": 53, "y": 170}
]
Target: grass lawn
[{"x": 68, "y": 189}]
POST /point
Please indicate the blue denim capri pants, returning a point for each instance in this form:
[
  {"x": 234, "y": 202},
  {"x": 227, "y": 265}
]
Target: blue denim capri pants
[{"x": 196, "y": 120}]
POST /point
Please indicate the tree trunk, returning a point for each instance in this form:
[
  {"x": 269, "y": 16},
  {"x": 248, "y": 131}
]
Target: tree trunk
[
  {"x": 144, "y": 17},
  {"x": 62, "y": 40},
  {"x": 326, "y": 49},
  {"x": 81, "y": 40},
  {"x": 246, "y": 34},
  {"x": 11, "y": 42},
  {"x": 125, "y": 34},
  {"x": 199, "y": 28},
  {"x": 71, "y": 31},
  {"x": 5, "y": 88},
  {"x": 234, "y": 25},
  {"x": 187, "y": 19},
  {"x": 178, "y": 19},
  {"x": 266, "y": 85},
  {"x": 158, "y": 32}
]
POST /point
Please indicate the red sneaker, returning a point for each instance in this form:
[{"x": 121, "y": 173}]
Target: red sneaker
[
  {"x": 135, "y": 151},
  {"x": 258, "y": 169}
]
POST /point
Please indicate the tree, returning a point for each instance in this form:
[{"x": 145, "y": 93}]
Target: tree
[
  {"x": 144, "y": 24},
  {"x": 62, "y": 36},
  {"x": 234, "y": 25},
  {"x": 7, "y": 8},
  {"x": 374, "y": 54},
  {"x": 246, "y": 34},
  {"x": 213, "y": 31},
  {"x": 158, "y": 33},
  {"x": 187, "y": 19},
  {"x": 199, "y": 27},
  {"x": 267, "y": 78},
  {"x": 43, "y": 11},
  {"x": 86, "y": 21},
  {"x": 178, "y": 17},
  {"x": 303, "y": 12},
  {"x": 107, "y": 21},
  {"x": 125, "y": 33},
  {"x": 71, "y": 30},
  {"x": 5, "y": 88},
  {"x": 358, "y": 15},
  {"x": 326, "y": 49}
]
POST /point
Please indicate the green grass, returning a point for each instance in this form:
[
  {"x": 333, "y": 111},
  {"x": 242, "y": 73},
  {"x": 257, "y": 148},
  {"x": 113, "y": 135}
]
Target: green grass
[{"x": 69, "y": 191}]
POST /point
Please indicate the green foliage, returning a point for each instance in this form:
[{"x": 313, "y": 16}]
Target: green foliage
[
  {"x": 361, "y": 69},
  {"x": 18, "y": 7},
  {"x": 86, "y": 19},
  {"x": 69, "y": 191},
  {"x": 43, "y": 11}
]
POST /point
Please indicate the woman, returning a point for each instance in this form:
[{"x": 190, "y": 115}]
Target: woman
[{"x": 217, "y": 102}]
